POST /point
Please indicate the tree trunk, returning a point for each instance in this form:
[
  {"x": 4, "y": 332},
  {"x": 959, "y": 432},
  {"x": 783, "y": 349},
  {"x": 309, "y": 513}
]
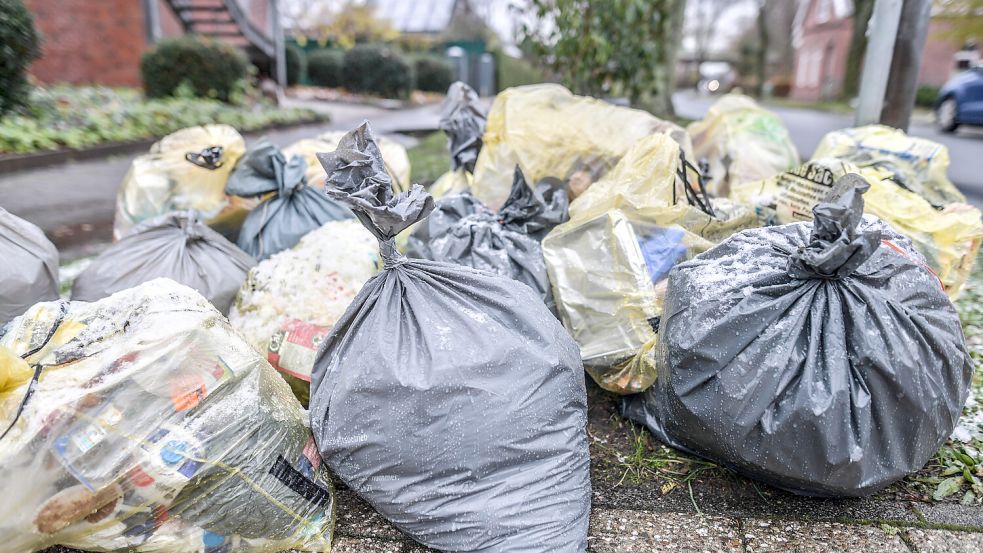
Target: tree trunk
[
  {"x": 672, "y": 24},
  {"x": 862, "y": 10},
  {"x": 902, "y": 85},
  {"x": 762, "y": 61}
]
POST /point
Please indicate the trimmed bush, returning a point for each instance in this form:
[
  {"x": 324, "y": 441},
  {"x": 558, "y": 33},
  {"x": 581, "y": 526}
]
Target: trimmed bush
[
  {"x": 19, "y": 46},
  {"x": 376, "y": 69},
  {"x": 433, "y": 73},
  {"x": 211, "y": 69},
  {"x": 925, "y": 95},
  {"x": 295, "y": 59},
  {"x": 324, "y": 67}
]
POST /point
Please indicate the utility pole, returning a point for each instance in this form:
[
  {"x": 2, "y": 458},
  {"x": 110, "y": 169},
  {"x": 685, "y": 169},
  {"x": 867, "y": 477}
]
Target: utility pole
[
  {"x": 881, "y": 33},
  {"x": 280, "y": 58},
  {"x": 903, "y": 82}
]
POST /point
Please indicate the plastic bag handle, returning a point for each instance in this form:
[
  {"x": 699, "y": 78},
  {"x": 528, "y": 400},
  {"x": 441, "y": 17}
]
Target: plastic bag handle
[
  {"x": 699, "y": 199},
  {"x": 208, "y": 158}
]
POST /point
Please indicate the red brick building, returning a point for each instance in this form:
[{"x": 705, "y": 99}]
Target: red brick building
[
  {"x": 101, "y": 41},
  {"x": 821, "y": 37}
]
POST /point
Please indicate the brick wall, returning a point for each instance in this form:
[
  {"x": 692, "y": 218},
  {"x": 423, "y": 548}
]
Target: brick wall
[
  {"x": 89, "y": 41},
  {"x": 938, "y": 58}
]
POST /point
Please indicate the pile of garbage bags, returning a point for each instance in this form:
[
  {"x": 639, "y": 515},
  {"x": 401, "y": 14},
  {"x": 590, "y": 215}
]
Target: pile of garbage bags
[
  {"x": 186, "y": 169},
  {"x": 440, "y": 381},
  {"x": 462, "y": 230},
  {"x": 142, "y": 422},
  {"x": 30, "y": 263},
  {"x": 549, "y": 132},
  {"x": 175, "y": 245},
  {"x": 740, "y": 142},
  {"x": 608, "y": 264},
  {"x": 790, "y": 320},
  {"x": 821, "y": 357},
  {"x": 291, "y": 207},
  {"x": 290, "y": 301}
]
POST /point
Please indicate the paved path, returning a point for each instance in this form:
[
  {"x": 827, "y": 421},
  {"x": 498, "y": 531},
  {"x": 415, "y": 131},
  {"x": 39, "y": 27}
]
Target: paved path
[{"x": 807, "y": 127}]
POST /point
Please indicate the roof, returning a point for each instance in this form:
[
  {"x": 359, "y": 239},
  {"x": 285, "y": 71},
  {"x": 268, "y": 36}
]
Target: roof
[{"x": 416, "y": 16}]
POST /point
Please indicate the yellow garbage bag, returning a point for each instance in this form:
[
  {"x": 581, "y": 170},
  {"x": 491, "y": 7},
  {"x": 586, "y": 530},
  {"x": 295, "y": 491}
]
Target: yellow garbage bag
[
  {"x": 741, "y": 142},
  {"x": 397, "y": 160},
  {"x": 289, "y": 302},
  {"x": 186, "y": 169},
  {"x": 949, "y": 238},
  {"x": 549, "y": 132},
  {"x": 609, "y": 263},
  {"x": 916, "y": 164},
  {"x": 454, "y": 181},
  {"x": 153, "y": 427}
]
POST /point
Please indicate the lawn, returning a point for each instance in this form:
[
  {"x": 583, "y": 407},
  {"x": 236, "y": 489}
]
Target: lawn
[
  {"x": 84, "y": 116},
  {"x": 429, "y": 159}
]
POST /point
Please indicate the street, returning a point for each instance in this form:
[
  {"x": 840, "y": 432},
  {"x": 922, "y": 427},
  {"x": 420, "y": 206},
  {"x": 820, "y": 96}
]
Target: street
[{"x": 807, "y": 127}]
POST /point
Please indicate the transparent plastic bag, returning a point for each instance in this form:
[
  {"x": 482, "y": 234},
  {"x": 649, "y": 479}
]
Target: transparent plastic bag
[
  {"x": 609, "y": 263},
  {"x": 150, "y": 425},
  {"x": 186, "y": 169},
  {"x": 549, "y": 132},
  {"x": 290, "y": 301},
  {"x": 741, "y": 142}
]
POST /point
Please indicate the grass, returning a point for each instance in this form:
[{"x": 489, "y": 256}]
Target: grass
[
  {"x": 83, "y": 116},
  {"x": 429, "y": 159}
]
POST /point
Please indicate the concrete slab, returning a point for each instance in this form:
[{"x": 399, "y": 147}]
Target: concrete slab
[
  {"x": 944, "y": 541},
  {"x": 347, "y": 544},
  {"x": 621, "y": 530},
  {"x": 766, "y": 536},
  {"x": 969, "y": 517}
]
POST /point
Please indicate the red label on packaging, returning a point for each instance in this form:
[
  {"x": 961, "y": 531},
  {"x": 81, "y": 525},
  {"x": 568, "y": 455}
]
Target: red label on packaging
[{"x": 294, "y": 346}]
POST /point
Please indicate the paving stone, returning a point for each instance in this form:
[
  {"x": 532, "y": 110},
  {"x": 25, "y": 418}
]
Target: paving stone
[
  {"x": 953, "y": 514},
  {"x": 357, "y": 518},
  {"x": 944, "y": 541},
  {"x": 623, "y": 531},
  {"x": 766, "y": 536},
  {"x": 348, "y": 544}
]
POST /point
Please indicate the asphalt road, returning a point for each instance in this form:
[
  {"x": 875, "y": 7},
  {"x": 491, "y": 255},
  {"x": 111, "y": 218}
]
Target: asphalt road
[{"x": 808, "y": 126}]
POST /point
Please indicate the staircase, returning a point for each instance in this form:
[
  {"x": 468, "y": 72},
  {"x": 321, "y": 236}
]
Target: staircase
[{"x": 225, "y": 20}]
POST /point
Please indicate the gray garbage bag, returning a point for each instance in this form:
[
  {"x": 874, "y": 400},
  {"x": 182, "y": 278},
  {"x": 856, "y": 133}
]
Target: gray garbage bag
[
  {"x": 176, "y": 245},
  {"x": 462, "y": 230},
  {"x": 463, "y": 121},
  {"x": 449, "y": 398},
  {"x": 823, "y": 358},
  {"x": 295, "y": 208},
  {"x": 30, "y": 262}
]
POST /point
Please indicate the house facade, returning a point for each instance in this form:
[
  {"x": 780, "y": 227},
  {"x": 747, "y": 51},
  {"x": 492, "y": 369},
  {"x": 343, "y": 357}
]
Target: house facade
[
  {"x": 821, "y": 37},
  {"x": 101, "y": 41}
]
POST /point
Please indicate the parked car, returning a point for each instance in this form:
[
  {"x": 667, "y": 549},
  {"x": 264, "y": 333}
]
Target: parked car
[{"x": 960, "y": 101}]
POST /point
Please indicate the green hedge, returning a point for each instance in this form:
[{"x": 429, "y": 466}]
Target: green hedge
[
  {"x": 925, "y": 96},
  {"x": 377, "y": 69},
  {"x": 210, "y": 69},
  {"x": 324, "y": 67},
  {"x": 516, "y": 72},
  {"x": 296, "y": 62},
  {"x": 433, "y": 73},
  {"x": 19, "y": 45}
]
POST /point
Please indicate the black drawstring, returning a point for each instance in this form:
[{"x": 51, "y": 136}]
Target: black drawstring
[
  {"x": 208, "y": 158},
  {"x": 699, "y": 199},
  {"x": 37, "y": 368}
]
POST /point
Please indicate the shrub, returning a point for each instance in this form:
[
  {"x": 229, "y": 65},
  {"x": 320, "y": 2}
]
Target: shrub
[
  {"x": 516, "y": 72},
  {"x": 433, "y": 73},
  {"x": 19, "y": 45},
  {"x": 211, "y": 69},
  {"x": 295, "y": 59},
  {"x": 324, "y": 67},
  {"x": 376, "y": 69},
  {"x": 925, "y": 95}
]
